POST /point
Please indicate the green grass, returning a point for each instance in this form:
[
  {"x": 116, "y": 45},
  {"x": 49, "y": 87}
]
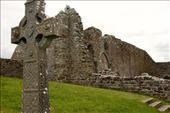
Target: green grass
[{"x": 66, "y": 98}]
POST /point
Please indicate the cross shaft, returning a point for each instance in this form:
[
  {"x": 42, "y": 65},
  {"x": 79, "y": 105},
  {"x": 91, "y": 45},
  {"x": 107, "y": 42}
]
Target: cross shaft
[{"x": 34, "y": 33}]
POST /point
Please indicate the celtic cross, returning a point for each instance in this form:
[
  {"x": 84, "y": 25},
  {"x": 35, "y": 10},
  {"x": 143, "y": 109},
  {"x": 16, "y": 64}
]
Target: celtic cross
[{"x": 34, "y": 33}]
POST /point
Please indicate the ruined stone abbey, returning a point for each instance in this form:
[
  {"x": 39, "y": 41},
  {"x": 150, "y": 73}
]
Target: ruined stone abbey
[{"x": 79, "y": 53}]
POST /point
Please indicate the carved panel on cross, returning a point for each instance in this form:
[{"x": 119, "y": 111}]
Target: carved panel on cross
[
  {"x": 30, "y": 80},
  {"x": 33, "y": 104}
]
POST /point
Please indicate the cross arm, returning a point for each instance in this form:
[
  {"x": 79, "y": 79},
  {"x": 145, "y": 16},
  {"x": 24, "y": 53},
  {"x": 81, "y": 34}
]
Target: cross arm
[
  {"x": 18, "y": 34},
  {"x": 15, "y": 35}
]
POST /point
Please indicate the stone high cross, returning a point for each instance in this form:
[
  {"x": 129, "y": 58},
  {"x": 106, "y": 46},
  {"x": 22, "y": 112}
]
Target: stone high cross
[{"x": 34, "y": 33}]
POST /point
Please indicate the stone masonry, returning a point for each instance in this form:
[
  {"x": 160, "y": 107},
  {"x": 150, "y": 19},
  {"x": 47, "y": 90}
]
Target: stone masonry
[
  {"x": 144, "y": 84},
  {"x": 11, "y": 68}
]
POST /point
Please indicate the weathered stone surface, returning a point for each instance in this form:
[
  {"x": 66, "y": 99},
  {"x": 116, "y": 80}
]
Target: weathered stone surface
[
  {"x": 163, "y": 69},
  {"x": 164, "y": 108},
  {"x": 11, "y": 68},
  {"x": 126, "y": 59},
  {"x": 18, "y": 53},
  {"x": 156, "y": 104},
  {"x": 149, "y": 100},
  {"x": 140, "y": 84}
]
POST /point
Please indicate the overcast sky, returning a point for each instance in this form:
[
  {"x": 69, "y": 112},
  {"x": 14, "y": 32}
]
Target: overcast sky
[{"x": 145, "y": 24}]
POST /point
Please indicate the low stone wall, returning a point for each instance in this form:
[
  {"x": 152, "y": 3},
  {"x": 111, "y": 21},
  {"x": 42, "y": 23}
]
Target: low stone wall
[
  {"x": 146, "y": 85},
  {"x": 11, "y": 68}
]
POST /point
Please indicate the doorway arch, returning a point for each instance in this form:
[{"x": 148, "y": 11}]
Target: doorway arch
[{"x": 104, "y": 62}]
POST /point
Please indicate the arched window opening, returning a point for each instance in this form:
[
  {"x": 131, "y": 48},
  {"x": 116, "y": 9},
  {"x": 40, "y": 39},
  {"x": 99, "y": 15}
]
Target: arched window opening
[{"x": 90, "y": 48}]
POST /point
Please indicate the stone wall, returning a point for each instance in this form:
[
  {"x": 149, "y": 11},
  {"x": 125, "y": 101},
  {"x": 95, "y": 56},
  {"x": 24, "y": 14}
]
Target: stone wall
[
  {"x": 163, "y": 69},
  {"x": 11, "y": 68},
  {"x": 93, "y": 42},
  {"x": 112, "y": 54},
  {"x": 144, "y": 84}
]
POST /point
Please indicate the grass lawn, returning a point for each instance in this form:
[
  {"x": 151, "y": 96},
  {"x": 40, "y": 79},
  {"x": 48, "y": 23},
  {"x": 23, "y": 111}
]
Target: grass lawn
[{"x": 66, "y": 98}]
